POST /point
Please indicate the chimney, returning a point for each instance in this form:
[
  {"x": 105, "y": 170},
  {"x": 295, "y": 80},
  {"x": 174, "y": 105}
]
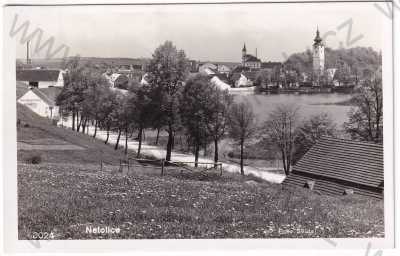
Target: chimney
[
  {"x": 256, "y": 53},
  {"x": 28, "y": 61}
]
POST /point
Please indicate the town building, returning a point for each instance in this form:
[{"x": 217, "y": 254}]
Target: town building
[
  {"x": 223, "y": 69},
  {"x": 208, "y": 68},
  {"x": 42, "y": 101},
  {"x": 318, "y": 55},
  {"x": 340, "y": 167},
  {"x": 249, "y": 60},
  {"x": 41, "y": 78},
  {"x": 117, "y": 80}
]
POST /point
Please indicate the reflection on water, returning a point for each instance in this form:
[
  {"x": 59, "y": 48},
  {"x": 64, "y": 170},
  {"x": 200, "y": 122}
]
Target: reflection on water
[{"x": 310, "y": 104}]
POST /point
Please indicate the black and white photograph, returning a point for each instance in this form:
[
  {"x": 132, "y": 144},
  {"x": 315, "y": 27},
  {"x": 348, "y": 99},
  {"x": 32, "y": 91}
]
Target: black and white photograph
[{"x": 202, "y": 121}]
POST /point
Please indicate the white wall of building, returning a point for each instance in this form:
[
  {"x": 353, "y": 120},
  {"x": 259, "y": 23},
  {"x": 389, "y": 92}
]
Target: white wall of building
[
  {"x": 319, "y": 59},
  {"x": 37, "y": 105}
]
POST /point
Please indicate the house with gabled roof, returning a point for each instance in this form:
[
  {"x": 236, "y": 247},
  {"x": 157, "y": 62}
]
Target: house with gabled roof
[
  {"x": 339, "y": 167},
  {"x": 41, "y": 78},
  {"x": 42, "y": 101}
]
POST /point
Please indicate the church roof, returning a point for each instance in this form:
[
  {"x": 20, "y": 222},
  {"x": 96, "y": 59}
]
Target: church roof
[
  {"x": 249, "y": 57},
  {"x": 317, "y": 39}
]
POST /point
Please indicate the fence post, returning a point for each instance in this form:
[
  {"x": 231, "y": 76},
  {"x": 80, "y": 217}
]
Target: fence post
[
  {"x": 101, "y": 165},
  {"x": 120, "y": 165},
  {"x": 162, "y": 167},
  {"x": 128, "y": 166},
  {"x": 220, "y": 167}
]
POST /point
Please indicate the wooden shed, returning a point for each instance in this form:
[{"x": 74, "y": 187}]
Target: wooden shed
[{"x": 339, "y": 167}]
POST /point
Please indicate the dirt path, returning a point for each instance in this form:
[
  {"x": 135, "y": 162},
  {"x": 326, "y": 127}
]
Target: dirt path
[{"x": 158, "y": 152}]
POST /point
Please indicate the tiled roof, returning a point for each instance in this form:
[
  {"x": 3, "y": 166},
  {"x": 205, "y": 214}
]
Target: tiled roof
[
  {"x": 249, "y": 57},
  {"x": 346, "y": 163},
  {"x": 37, "y": 75},
  {"x": 48, "y": 95},
  {"x": 328, "y": 187}
]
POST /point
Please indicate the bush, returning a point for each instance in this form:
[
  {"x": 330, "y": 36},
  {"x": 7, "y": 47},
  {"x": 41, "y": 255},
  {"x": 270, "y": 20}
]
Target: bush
[
  {"x": 35, "y": 159},
  {"x": 26, "y": 125}
]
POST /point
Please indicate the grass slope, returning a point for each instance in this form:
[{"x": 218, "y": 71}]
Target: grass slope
[
  {"x": 67, "y": 193},
  {"x": 66, "y": 200},
  {"x": 41, "y": 128}
]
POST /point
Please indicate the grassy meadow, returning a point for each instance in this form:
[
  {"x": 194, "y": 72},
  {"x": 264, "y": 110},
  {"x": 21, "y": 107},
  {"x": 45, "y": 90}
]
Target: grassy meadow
[{"x": 66, "y": 192}]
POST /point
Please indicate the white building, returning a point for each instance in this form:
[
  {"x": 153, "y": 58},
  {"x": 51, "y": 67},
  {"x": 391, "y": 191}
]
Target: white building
[
  {"x": 41, "y": 78},
  {"x": 318, "y": 55},
  {"x": 42, "y": 101},
  {"x": 208, "y": 69},
  {"x": 223, "y": 69},
  {"x": 249, "y": 60}
]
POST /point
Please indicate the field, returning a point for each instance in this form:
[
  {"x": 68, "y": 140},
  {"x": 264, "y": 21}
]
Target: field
[{"x": 66, "y": 192}]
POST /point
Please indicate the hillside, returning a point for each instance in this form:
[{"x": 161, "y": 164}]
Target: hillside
[
  {"x": 67, "y": 192},
  {"x": 358, "y": 59},
  {"x": 37, "y": 130},
  {"x": 65, "y": 200}
]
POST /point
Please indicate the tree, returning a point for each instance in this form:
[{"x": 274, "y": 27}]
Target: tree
[
  {"x": 219, "y": 103},
  {"x": 310, "y": 131},
  {"x": 365, "y": 120},
  {"x": 142, "y": 110},
  {"x": 194, "y": 109},
  {"x": 242, "y": 126},
  {"x": 263, "y": 78},
  {"x": 281, "y": 130},
  {"x": 71, "y": 95},
  {"x": 167, "y": 71},
  {"x": 92, "y": 104},
  {"x": 109, "y": 104}
]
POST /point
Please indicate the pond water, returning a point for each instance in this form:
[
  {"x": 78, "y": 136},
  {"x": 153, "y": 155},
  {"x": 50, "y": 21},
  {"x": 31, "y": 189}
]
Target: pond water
[{"x": 309, "y": 104}]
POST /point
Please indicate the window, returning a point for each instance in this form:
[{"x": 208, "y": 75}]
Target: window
[
  {"x": 309, "y": 184},
  {"x": 348, "y": 191}
]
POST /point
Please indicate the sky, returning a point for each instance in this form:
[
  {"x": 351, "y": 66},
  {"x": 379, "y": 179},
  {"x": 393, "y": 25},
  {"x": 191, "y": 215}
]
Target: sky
[{"x": 204, "y": 32}]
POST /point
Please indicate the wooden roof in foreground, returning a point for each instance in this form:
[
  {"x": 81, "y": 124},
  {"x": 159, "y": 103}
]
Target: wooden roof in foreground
[{"x": 340, "y": 164}]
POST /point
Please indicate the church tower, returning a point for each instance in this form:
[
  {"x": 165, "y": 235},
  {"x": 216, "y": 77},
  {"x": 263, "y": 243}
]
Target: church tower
[
  {"x": 244, "y": 52},
  {"x": 318, "y": 55}
]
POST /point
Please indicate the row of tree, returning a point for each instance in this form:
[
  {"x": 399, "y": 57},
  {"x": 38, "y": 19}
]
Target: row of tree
[{"x": 177, "y": 102}]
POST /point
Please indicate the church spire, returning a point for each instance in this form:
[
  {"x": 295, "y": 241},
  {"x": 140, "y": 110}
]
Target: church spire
[
  {"x": 244, "y": 47},
  {"x": 317, "y": 39}
]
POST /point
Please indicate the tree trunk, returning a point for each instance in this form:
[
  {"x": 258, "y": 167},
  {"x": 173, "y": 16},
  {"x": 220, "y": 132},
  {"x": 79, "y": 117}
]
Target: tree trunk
[
  {"x": 95, "y": 129},
  {"x": 78, "y": 122},
  {"x": 140, "y": 141},
  {"x": 158, "y": 135},
  {"x": 196, "y": 154},
  {"x": 73, "y": 120},
  {"x": 108, "y": 135},
  {"x": 173, "y": 141},
  {"x": 215, "y": 152},
  {"x": 241, "y": 156},
  {"x": 126, "y": 139},
  {"x": 284, "y": 162},
  {"x": 169, "y": 144},
  {"x": 84, "y": 125},
  {"x": 119, "y": 136}
]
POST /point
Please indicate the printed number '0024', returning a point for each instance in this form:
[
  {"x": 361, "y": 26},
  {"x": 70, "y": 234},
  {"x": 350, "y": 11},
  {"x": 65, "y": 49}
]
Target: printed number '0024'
[{"x": 42, "y": 235}]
